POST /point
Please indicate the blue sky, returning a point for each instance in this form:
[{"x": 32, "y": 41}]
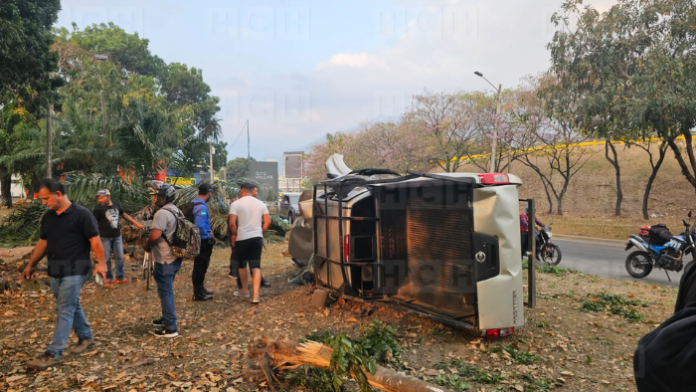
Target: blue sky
[{"x": 299, "y": 69}]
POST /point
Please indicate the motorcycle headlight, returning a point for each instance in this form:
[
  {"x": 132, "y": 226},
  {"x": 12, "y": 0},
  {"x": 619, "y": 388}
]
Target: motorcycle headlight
[{"x": 548, "y": 233}]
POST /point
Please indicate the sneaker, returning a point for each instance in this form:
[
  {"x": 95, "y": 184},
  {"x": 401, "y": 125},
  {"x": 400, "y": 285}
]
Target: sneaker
[
  {"x": 109, "y": 281},
  {"x": 158, "y": 322},
  {"x": 256, "y": 301},
  {"x": 82, "y": 346},
  {"x": 232, "y": 276},
  {"x": 122, "y": 281},
  {"x": 43, "y": 362},
  {"x": 240, "y": 294},
  {"x": 265, "y": 284},
  {"x": 166, "y": 333}
]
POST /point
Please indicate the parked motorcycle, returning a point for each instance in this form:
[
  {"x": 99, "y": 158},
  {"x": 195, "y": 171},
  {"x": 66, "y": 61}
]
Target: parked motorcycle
[
  {"x": 546, "y": 251},
  {"x": 668, "y": 256}
]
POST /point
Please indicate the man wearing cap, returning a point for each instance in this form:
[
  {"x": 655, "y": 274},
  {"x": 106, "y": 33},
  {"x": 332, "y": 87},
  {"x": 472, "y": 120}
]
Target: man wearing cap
[
  {"x": 108, "y": 214},
  {"x": 201, "y": 218}
]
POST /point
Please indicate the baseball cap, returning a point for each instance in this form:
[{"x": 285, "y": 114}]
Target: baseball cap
[
  {"x": 104, "y": 192},
  {"x": 205, "y": 188}
]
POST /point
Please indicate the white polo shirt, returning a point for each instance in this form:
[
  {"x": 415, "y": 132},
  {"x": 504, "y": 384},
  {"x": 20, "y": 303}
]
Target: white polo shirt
[{"x": 250, "y": 212}]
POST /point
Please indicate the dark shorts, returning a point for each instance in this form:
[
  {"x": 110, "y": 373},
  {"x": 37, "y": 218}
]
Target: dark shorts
[{"x": 249, "y": 251}]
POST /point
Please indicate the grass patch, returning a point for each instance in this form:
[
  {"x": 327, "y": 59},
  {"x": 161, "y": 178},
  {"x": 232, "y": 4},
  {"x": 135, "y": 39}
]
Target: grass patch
[
  {"x": 452, "y": 382},
  {"x": 549, "y": 269},
  {"x": 520, "y": 357},
  {"x": 553, "y": 270},
  {"x": 470, "y": 372},
  {"x": 615, "y": 304}
]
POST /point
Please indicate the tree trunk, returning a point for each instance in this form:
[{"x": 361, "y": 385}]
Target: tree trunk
[
  {"x": 274, "y": 355},
  {"x": 6, "y": 189},
  {"x": 34, "y": 186},
  {"x": 559, "y": 203},
  {"x": 680, "y": 157},
  {"x": 648, "y": 186},
  {"x": 548, "y": 197},
  {"x": 608, "y": 145}
]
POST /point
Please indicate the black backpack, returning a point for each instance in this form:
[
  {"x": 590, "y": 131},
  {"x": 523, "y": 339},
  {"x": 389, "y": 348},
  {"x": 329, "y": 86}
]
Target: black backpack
[
  {"x": 659, "y": 234},
  {"x": 187, "y": 210}
]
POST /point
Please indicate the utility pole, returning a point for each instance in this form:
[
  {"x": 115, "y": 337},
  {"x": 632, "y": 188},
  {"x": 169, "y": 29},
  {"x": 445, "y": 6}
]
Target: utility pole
[
  {"x": 495, "y": 131},
  {"x": 248, "y": 143},
  {"x": 49, "y": 142},
  {"x": 497, "y": 114},
  {"x": 212, "y": 173}
]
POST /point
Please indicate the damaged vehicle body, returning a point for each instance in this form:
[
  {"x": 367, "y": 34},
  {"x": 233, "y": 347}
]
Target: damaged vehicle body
[{"x": 445, "y": 246}]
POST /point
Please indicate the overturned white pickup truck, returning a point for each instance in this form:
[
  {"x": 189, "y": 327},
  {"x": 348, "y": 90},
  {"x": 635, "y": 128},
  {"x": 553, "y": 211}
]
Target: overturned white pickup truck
[{"x": 445, "y": 246}]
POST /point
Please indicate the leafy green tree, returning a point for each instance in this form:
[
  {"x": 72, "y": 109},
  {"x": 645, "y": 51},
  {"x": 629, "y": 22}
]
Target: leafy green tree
[
  {"x": 25, "y": 39},
  {"x": 220, "y": 157},
  {"x": 632, "y": 69},
  {"x": 132, "y": 111},
  {"x": 597, "y": 61},
  {"x": 25, "y": 66},
  {"x": 128, "y": 50},
  {"x": 238, "y": 168}
]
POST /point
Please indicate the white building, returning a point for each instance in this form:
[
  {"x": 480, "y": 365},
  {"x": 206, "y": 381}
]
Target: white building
[
  {"x": 16, "y": 189},
  {"x": 291, "y": 180}
]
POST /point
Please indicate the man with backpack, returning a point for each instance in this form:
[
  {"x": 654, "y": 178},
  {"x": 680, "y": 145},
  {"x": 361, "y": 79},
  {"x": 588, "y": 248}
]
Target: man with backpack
[
  {"x": 166, "y": 263},
  {"x": 197, "y": 212}
]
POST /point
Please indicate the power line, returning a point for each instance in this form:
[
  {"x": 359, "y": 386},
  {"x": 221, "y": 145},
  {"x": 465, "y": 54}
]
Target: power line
[{"x": 240, "y": 134}]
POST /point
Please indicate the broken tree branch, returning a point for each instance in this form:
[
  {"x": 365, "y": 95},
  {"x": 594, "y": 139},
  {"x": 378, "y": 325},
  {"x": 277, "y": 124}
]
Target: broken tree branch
[{"x": 283, "y": 354}]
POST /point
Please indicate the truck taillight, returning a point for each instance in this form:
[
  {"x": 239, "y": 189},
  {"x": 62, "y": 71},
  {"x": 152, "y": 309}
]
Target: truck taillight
[
  {"x": 498, "y": 333},
  {"x": 346, "y": 247},
  {"x": 494, "y": 178}
]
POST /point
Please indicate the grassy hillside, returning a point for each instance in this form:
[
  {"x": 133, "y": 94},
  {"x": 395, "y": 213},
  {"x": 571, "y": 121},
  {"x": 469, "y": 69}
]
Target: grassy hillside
[{"x": 588, "y": 207}]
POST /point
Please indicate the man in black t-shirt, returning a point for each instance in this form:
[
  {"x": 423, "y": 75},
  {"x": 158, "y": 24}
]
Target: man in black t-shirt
[
  {"x": 108, "y": 214},
  {"x": 68, "y": 232}
]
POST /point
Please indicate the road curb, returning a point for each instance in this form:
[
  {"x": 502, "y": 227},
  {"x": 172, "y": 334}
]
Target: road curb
[{"x": 589, "y": 239}]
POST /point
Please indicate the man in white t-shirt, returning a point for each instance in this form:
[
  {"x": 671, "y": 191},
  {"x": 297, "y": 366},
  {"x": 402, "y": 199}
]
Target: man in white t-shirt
[{"x": 245, "y": 222}]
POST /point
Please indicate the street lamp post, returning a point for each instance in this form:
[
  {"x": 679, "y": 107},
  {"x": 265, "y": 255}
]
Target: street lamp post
[{"x": 497, "y": 115}]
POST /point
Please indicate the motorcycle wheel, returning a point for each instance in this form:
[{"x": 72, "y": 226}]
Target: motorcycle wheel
[
  {"x": 638, "y": 264},
  {"x": 550, "y": 254}
]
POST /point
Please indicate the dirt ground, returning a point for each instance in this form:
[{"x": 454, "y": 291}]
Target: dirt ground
[{"x": 570, "y": 349}]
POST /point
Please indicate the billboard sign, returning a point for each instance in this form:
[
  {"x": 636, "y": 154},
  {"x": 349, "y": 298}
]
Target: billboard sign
[
  {"x": 292, "y": 164},
  {"x": 264, "y": 173}
]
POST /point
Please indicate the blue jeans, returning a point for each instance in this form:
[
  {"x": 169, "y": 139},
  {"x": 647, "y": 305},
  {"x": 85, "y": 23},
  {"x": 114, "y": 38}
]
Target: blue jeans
[
  {"x": 117, "y": 245},
  {"x": 164, "y": 276},
  {"x": 69, "y": 314}
]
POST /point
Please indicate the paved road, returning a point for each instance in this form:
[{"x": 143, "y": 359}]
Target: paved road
[{"x": 606, "y": 259}]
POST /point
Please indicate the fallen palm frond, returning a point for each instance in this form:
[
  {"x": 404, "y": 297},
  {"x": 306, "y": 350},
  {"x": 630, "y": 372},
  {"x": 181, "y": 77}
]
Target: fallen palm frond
[
  {"x": 83, "y": 188},
  {"x": 271, "y": 355},
  {"x": 22, "y": 226}
]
